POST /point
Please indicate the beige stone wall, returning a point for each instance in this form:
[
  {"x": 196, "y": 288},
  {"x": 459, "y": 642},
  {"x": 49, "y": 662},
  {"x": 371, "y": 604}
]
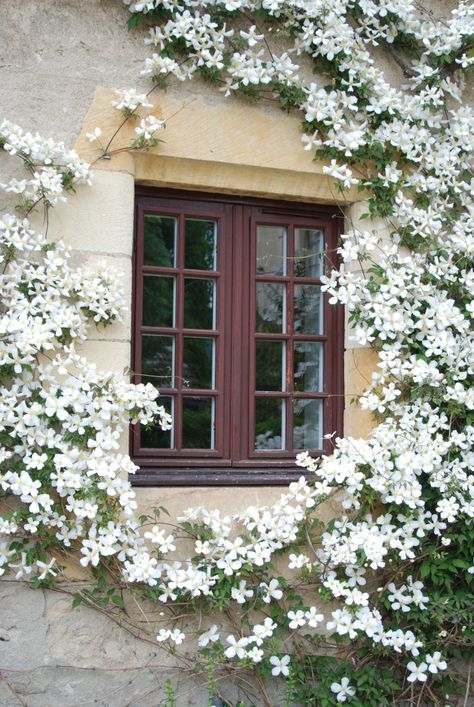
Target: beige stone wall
[{"x": 59, "y": 63}]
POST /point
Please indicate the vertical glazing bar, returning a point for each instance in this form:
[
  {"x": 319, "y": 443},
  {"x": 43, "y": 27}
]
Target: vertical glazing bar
[
  {"x": 173, "y": 424},
  {"x": 213, "y": 363},
  {"x": 179, "y": 321},
  {"x": 213, "y": 423},
  {"x": 214, "y": 304},
  {"x": 290, "y": 289},
  {"x": 284, "y": 375},
  {"x": 284, "y": 407}
]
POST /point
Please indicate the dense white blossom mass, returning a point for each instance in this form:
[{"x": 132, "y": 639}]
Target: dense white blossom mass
[{"x": 412, "y": 478}]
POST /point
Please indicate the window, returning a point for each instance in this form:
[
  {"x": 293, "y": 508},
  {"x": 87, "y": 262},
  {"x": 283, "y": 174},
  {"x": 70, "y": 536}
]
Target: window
[{"x": 231, "y": 325}]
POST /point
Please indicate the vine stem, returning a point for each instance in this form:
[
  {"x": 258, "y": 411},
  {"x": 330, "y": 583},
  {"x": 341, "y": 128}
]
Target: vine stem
[
  {"x": 468, "y": 685},
  {"x": 132, "y": 114},
  {"x": 418, "y": 703},
  {"x": 12, "y": 690}
]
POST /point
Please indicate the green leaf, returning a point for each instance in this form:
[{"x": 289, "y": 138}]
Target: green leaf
[
  {"x": 78, "y": 599},
  {"x": 118, "y": 601},
  {"x": 425, "y": 569}
]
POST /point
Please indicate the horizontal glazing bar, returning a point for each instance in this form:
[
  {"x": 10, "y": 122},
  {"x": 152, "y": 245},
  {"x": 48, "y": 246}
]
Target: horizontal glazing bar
[
  {"x": 278, "y": 394},
  {"x": 155, "y": 270},
  {"x": 284, "y": 337},
  {"x": 203, "y": 392},
  {"x": 286, "y": 278},
  {"x": 173, "y": 330}
]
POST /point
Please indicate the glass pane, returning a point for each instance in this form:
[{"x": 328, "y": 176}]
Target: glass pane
[
  {"x": 308, "y": 312},
  {"x": 200, "y": 244},
  {"x": 269, "y": 424},
  {"x": 198, "y": 303},
  {"x": 270, "y": 305},
  {"x": 308, "y": 424},
  {"x": 309, "y": 247},
  {"x": 198, "y": 423},
  {"x": 198, "y": 364},
  {"x": 269, "y": 365},
  {"x": 160, "y": 241},
  {"x": 308, "y": 367},
  {"x": 271, "y": 249},
  {"x": 155, "y": 437},
  {"x": 158, "y": 301},
  {"x": 158, "y": 361}
]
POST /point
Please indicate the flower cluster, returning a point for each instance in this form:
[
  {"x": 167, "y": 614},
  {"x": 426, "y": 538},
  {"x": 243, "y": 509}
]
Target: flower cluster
[
  {"x": 60, "y": 418},
  {"x": 129, "y": 100},
  {"x": 146, "y": 132},
  {"x": 52, "y": 167}
]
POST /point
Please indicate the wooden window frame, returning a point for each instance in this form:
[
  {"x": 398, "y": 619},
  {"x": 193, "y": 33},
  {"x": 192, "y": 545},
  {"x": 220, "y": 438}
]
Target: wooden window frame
[{"x": 232, "y": 462}]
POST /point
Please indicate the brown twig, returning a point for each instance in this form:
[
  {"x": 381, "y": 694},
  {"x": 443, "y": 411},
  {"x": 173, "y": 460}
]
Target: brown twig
[
  {"x": 12, "y": 690},
  {"x": 468, "y": 685}
]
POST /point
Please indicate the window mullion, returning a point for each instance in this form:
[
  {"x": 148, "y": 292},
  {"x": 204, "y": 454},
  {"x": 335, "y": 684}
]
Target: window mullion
[
  {"x": 238, "y": 334},
  {"x": 179, "y": 346}
]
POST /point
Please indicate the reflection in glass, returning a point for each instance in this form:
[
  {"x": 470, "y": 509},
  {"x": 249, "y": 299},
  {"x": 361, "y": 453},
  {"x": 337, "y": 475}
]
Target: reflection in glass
[
  {"x": 155, "y": 437},
  {"x": 270, "y": 305},
  {"x": 158, "y": 361},
  {"x": 198, "y": 423},
  {"x": 198, "y": 303},
  {"x": 271, "y": 250},
  {"x": 308, "y": 362},
  {"x": 198, "y": 362},
  {"x": 308, "y": 311},
  {"x": 269, "y": 424},
  {"x": 307, "y": 424},
  {"x": 159, "y": 241},
  {"x": 269, "y": 365},
  {"x": 158, "y": 301},
  {"x": 309, "y": 247},
  {"x": 200, "y": 244}
]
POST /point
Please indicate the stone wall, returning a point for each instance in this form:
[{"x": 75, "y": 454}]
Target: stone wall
[
  {"x": 52, "y": 655},
  {"x": 54, "y": 56}
]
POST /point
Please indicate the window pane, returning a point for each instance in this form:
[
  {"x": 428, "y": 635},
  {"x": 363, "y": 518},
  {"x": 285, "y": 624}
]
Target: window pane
[
  {"x": 198, "y": 365},
  {"x": 308, "y": 367},
  {"x": 307, "y": 424},
  {"x": 158, "y": 301},
  {"x": 158, "y": 361},
  {"x": 155, "y": 437},
  {"x": 198, "y": 423},
  {"x": 271, "y": 249},
  {"x": 308, "y": 311},
  {"x": 269, "y": 365},
  {"x": 160, "y": 241},
  {"x": 309, "y": 247},
  {"x": 200, "y": 244},
  {"x": 269, "y": 424},
  {"x": 270, "y": 305},
  {"x": 198, "y": 303}
]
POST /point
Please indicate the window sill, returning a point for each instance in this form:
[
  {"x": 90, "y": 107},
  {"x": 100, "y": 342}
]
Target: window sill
[{"x": 216, "y": 477}]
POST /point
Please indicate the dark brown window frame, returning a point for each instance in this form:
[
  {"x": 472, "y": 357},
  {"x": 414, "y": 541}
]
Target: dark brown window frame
[{"x": 234, "y": 320}]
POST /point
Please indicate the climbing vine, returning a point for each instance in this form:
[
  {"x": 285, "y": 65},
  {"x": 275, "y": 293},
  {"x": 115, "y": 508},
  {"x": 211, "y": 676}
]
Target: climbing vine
[{"x": 380, "y": 607}]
